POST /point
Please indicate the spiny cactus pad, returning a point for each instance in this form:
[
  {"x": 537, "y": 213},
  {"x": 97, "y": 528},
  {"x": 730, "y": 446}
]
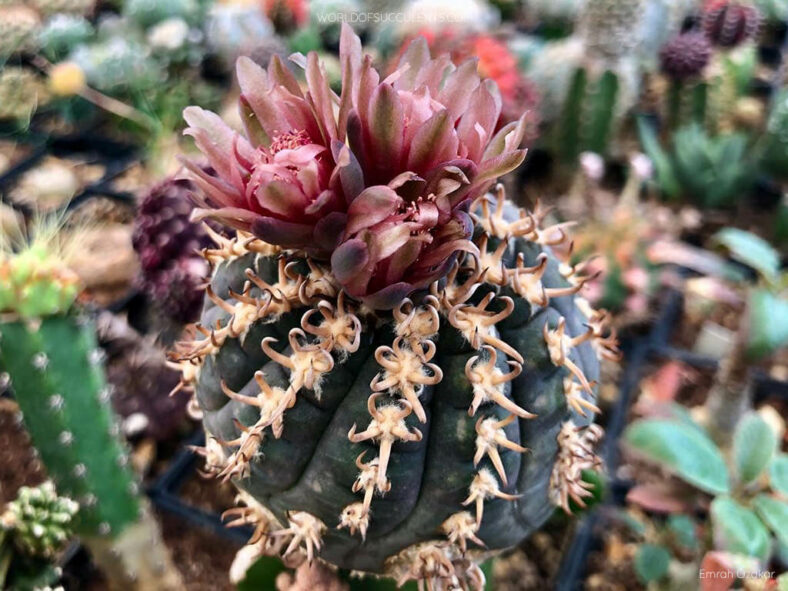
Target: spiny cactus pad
[{"x": 402, "y": 383}]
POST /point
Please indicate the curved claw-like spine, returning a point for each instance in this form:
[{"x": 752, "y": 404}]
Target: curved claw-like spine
[
  {"x": 406, "y": 369},
  {"x": 575, "y": 454},
  {"x": 416, "y": 323},
  {"x": 492, "y": 262},
  {"x": 485, "y": 486},
  {"x": 237, "y": 465},
  {"x": 460, "y": 528},
  {"x": 477, "y": 324},
  {"x": 305, "y": 532},
  {"x": 559, "y": 344},
  {"x": 489, "y": 435},
  {"x": 339, "y": 329},
  {"x": 387, "y": 427},
  {"x": 488, "y": 381},
  {"x": 574, "y": 397}
]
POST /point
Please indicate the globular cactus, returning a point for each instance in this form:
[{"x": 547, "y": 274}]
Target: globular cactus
[
  {"x": 397, "y": 386},
  {"x": 62, "y": 33},
  {"x": 19, "y": 26},
  {"x": 728, "y": 24},
  {"x": 51, "y": 360},
  {"x": 21, "y": 91},
  {"x": 168, "y": 246},
  {"x": 685, "y": 56},
  {"x": 682, "y": 61}
]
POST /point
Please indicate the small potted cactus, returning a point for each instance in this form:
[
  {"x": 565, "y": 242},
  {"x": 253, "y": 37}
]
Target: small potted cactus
[{"x": 392, "y": 365}]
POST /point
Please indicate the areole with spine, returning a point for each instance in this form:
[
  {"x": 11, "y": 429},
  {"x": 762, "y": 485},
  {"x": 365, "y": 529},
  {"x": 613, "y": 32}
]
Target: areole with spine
[{"x": 407, "y": 435}]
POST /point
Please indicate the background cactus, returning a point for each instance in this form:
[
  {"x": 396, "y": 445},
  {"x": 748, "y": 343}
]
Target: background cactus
[
  {"x": 373, "y": 391},
  {"x": 609, "y": 28},
  {"x": 62, "y": 33},
  {"x": 590, "y": 115},
  {"x": 64, "y": 400},
  {"x": 40, "y": 520},
  {"x": 775, "y": 141},
  {"x": 168, "y": 246},
  {"x": 19, "y": 25},
  {"x": 33, "y": 528},
  {"x": 116, "y": 65},
  {"x": 147, "y": 13},
  {"x": 728, "y": 24},
  {"x": 21, "y": 91}
]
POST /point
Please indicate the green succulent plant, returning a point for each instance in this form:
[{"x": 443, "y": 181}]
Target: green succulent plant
[
  {"x": 749, "y": 510},
  {"x": 712, "y": 171},
  {"x": 33, "y": 528}
]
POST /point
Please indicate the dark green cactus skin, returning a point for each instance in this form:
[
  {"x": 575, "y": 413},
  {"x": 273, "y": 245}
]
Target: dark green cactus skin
[
  {"x": 312, "y": 466},
  {"x": 57, "y": 377},
  {"x": 589, "y": 115}
]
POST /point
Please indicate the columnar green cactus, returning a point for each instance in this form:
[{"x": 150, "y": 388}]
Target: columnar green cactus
[
  {"x": 589, "y": 115},
  {"x": 50, "y": 358},
  {"x": 397, "y": 387}
]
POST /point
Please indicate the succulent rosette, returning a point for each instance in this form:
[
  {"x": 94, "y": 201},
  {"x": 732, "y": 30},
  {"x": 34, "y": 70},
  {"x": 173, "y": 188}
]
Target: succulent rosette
[{"x": 375, "y": 182}]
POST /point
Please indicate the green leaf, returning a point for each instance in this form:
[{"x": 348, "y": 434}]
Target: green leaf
[
  {"x": 682, "y": 449},
  {"x": 737, "y": 529},
  {"x": 683, "y": 529},
  {"x": 774, "y": 514},
  {"x": 665, "y": 174},
  {"x": 651, "y": 562},
  {"x": 754, "y": 444},
  {"x": 778, "y": 473},
  {"x": 751, "y": 250},
  {"x": 768, "y": 320}
]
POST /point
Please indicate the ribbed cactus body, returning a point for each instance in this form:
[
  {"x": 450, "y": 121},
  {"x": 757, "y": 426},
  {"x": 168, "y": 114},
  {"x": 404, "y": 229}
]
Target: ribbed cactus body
[
  {"x": 55, "y": 370},
  {"x": 457, "y": 468}
]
